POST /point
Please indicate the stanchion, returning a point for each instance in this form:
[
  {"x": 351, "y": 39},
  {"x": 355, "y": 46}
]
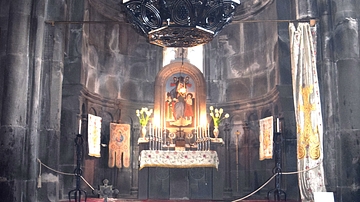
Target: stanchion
[
  {"x": 277, "y": 193},
  {"x": 77, "y": 192}
]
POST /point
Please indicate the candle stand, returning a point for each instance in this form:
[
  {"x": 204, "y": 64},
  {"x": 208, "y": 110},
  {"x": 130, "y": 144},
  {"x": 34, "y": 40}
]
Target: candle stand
[
  {"x": 278, "y": 194},
  {"x": 77, "y": 192}
]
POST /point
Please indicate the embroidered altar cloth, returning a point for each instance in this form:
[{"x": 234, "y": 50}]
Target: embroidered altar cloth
[{"x": 178, "y": 159}]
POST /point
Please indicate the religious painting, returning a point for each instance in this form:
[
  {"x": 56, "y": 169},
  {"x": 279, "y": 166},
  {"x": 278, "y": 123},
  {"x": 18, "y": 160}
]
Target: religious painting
[{"x": 180, "y": 101}]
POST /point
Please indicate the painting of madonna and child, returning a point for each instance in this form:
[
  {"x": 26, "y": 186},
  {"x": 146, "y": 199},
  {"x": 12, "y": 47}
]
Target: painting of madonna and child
[{"x": 180, "y": 101}]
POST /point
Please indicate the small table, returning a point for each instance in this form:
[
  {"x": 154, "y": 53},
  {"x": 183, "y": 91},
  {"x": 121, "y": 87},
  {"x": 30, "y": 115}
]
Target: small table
[{"x": 178, "y": 159}]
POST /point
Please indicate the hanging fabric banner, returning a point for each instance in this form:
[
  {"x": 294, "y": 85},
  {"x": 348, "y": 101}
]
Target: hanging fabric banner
[
  {"x": 119, "y": 145},
  {"x": 266, "y": 138},
  {"x": 307, "y": 110},
  {"x": 94, "y": 135}
]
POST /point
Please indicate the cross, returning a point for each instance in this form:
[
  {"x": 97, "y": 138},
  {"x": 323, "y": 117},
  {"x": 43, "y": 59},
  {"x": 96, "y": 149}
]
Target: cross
[
  {"x": 105, "y": 190},
  {"x": 307, "y": 135}
]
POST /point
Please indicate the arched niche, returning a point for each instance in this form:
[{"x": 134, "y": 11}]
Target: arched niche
[{"x": 162, "y": 88}]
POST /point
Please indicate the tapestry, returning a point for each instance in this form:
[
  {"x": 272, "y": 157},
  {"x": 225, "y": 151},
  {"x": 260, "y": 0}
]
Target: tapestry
[
  {"x": 266, "y": 138},
  {"x": 119, "y": 145},
  {"x": 94, "y": 135},
  {"x": 307, "y": 110}
]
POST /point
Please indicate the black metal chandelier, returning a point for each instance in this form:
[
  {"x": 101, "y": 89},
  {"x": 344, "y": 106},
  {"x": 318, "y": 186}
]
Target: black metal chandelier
[{"x": 180, "y": 23}]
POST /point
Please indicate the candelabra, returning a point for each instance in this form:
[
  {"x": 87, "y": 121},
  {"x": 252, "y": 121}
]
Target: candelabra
[
  {"x": 157, "y": 138},
  {"x": 185, "y": 23}
]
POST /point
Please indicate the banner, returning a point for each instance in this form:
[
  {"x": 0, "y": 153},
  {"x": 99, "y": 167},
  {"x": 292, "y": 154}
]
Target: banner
[
  {"x": 307, "y": 110},
  {"x": 266, "y": 138},
  {"x": 94, "y": 135},
  {"x": 119, "y": 145}
]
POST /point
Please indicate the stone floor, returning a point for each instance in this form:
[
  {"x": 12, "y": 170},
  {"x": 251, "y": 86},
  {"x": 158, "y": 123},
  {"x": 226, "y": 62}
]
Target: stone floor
[{"x": 151, "y": 200}]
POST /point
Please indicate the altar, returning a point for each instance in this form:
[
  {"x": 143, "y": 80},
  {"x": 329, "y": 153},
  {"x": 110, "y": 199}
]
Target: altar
[{"x": 181, "y": 175}]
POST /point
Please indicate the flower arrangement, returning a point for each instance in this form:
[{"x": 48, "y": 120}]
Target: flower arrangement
[
  {"x": 144, "y": 115},
  {"x": 216, "y": 115}
]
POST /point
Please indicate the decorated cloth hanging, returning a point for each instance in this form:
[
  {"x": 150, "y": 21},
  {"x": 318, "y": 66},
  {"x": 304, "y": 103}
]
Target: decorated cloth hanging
[
  {"x": 94, "y": 135},
  {"x": 266, "y": 138},
  {"x": 307, "y": 110},
  {"x": 119, "y": 145}
]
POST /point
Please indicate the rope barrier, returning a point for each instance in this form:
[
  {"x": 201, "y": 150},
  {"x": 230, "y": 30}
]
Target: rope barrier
[
  {"x": 272, "y": 177},
  {"x": 59, "y": 172},
  {"x": 240, "y": 199}
]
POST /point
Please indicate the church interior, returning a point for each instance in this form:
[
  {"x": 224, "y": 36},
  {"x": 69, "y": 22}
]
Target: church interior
[{"x": 179, "y": 100}]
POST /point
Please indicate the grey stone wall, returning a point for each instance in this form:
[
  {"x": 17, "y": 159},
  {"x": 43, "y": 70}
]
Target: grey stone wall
[
  {"x": 109, "y": 72},
  {"x": 48, "y": 72},
  {"x": 249, "y": 77}
]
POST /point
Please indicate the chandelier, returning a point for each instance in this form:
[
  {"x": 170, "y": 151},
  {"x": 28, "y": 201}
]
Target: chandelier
[{"x": 180, "y": 23}]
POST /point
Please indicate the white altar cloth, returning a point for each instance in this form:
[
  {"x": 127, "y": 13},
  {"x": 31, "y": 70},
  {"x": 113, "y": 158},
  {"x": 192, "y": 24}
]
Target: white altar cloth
[{"x": 178, "y": 159}]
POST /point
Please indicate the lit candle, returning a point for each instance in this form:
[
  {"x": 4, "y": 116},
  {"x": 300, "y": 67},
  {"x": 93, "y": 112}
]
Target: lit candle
[{"x": 80, "y": 126}]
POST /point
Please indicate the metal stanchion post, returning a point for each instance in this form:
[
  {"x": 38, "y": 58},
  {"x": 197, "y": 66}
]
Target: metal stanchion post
[{"x": 278, "y": 194}]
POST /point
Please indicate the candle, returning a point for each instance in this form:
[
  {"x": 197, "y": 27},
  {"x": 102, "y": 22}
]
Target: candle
[
  {"x": 80, "y": 126},
  {"x": 150, "y": 130},
  {"x": 197, "y": 132},
  {"x": 208, "y": 132},
  {"x": 157, "y": 132},
  {"x": 277, "y": 125}
]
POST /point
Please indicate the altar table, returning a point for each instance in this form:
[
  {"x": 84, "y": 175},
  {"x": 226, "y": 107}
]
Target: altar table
[{"x": 178, "y": 159}]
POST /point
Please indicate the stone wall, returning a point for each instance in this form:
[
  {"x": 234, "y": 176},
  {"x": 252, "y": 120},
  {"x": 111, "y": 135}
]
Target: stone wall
[{"x": 49, "y": 71}]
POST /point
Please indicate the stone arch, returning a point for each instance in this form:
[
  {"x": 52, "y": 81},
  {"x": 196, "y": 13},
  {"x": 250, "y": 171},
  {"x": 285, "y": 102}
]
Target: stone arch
[{"x": 92, "y": 110}]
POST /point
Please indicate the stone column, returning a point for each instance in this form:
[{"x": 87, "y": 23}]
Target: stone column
[
  {"x": 73, "y": 106},
  {"x": 328, "y": 89},
  {"x": 14, "y": 139},
  {"x": 4, "y": 17},
  {"x": 347, "y": 60}
]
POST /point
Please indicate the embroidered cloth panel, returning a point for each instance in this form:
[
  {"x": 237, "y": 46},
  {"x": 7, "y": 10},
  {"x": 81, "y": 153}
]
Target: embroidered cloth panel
[{"x": 178, "y": 159}]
